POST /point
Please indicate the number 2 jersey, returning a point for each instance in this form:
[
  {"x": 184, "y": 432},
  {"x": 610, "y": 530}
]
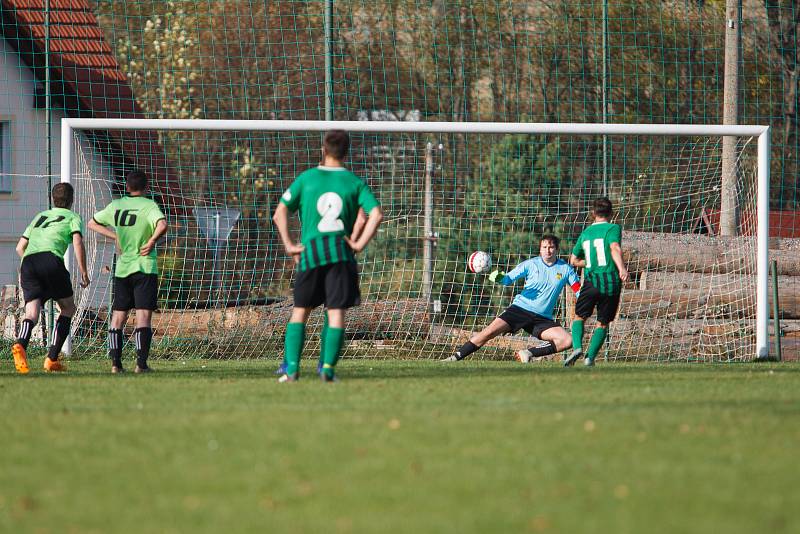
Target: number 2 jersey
[
  {"x": 328, "y": 199},
  {"x": 51, "y": 231},
  {"x": 134, "y": 220},
  {"x": 594, "y": 245}
]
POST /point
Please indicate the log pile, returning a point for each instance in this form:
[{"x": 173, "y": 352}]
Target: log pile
[{"x": 696, "y": 271}]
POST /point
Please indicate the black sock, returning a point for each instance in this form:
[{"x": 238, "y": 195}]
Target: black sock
[
  {"x": 115, "y": 347},
  {"x": 25, "y": 331},
  {"x": 59, "y": 336},
  {"x": 466, "y": 349},
  {"x": 142, "y": 337},
  {"x": 542, "y": 350}
]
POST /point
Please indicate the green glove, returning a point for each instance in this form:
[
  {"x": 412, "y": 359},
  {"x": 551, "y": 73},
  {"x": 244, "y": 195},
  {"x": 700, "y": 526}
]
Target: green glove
[{"x": 496, "y": 276}]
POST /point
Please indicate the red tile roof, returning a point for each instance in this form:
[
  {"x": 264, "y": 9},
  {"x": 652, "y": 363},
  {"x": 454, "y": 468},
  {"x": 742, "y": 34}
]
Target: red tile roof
[{"x": 87, "y": 79}]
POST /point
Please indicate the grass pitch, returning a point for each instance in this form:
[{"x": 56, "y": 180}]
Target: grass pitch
[{"x": 399, "y": 446}]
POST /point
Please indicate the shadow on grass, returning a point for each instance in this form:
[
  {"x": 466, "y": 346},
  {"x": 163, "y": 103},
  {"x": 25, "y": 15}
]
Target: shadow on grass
[{"x": 398, "y": 369}]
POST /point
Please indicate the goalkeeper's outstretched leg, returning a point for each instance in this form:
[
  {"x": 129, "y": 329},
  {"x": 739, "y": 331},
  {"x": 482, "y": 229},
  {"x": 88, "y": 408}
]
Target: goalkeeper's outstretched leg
[{"x": 496, "y": 328}]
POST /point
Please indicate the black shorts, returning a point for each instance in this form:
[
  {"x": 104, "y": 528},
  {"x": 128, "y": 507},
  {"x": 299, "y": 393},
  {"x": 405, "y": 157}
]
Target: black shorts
[
  {"x": 139, "y": 291},
  {"x": 335, "y": 285},
  {"x": 590, "y": 297},
  {"x": 43, "y": 276},
  {"x": 533, "y": 323}
]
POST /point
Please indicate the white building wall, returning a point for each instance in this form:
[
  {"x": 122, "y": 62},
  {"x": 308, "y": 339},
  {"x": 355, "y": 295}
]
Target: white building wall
[{"x": 28, "y": 166}]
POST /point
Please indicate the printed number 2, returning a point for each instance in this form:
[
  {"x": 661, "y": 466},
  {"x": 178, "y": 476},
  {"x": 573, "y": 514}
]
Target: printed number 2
[
  {"x": 329, "y": 207},
  {"x": 599, "y": 249}
]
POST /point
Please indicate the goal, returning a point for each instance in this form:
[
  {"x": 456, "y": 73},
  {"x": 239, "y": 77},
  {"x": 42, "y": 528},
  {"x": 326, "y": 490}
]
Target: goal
[{"x": 447, "y": 189}]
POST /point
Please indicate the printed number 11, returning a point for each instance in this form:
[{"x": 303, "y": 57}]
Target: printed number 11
[{"x": 599, "y": 250}]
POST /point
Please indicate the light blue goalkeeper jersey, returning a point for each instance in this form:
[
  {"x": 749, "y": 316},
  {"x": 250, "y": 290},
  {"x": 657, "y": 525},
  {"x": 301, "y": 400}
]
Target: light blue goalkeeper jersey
[{"x": 543, "y": 284}]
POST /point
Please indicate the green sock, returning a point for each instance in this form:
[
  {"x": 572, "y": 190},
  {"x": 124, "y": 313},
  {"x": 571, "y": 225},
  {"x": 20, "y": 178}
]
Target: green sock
[
  {"x": 598, "y": 337},
  {"x": 293, "y": 346},
  {"x": 331, "y": 347},
  {"x": 322, "y": 336},
  {"x": 577, "y": 334}
]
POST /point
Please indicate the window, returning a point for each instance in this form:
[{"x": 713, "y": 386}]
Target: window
[{"x": 5, "y": 157}]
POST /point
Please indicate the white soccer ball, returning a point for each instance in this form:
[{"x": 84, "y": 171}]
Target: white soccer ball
[{"x": 479, "y": 262}]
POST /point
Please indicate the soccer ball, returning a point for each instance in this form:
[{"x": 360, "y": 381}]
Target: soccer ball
[{"x": 479, "y": 262}]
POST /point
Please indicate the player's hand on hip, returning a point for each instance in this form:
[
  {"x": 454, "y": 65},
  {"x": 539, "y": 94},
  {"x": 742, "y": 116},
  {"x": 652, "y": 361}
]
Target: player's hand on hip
[
  {"x": 295, "y": 250},
  {"x": 355, "y": 246},
  {"x": 496, "y": 276},
  {"x": 147, "y": 248}
]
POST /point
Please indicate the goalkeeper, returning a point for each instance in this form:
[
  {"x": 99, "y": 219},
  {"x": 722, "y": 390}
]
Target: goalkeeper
[{"x": 532, "y": 309}]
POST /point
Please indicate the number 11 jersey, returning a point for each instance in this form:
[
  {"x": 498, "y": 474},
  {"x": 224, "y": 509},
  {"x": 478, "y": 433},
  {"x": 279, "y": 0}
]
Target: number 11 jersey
[
  {"x": 328, "y": 199},
  {"x": 134, "y": 220},
  {"x": 594, "y": 245}
]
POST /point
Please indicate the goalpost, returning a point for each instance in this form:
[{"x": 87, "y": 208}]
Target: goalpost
[{"x": 447, "y": 189}]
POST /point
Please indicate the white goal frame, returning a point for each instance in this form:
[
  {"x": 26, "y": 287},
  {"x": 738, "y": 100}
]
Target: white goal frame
[{"x": 70, "y": 125}]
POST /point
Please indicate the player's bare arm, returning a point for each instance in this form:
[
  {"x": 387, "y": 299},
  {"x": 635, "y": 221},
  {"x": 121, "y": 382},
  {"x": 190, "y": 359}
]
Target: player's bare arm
[
  {"x": 575, "y": 262},
  {"x": 22, "y": 245},
  {"x": 373, "y": 220},
  {"x": 102, "y": 230},
  {"x": 358, "y": 226},
  {"x": 281, "y": 220},
  {"x": 616, "y": 255},
  {"x": 80, "y": 258},
  {"x": 161, "y": 229}
]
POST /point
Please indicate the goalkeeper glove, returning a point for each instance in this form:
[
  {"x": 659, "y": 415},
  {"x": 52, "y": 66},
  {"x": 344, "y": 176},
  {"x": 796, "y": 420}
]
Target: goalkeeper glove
[{"x": 496, "y": 276}]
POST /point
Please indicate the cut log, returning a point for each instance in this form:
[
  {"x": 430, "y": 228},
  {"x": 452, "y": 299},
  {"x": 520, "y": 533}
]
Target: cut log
[
  {"x": 646, "y": 251},
  {"x": 722, "y": 301},
  {"x": 683, "y": 280},
  {"x": 737, "y": 286}
]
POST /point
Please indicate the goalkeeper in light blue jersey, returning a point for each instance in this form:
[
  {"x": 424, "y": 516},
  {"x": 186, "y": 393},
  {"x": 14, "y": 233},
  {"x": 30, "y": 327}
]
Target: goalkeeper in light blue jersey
[{"x": 532, "y": 309}]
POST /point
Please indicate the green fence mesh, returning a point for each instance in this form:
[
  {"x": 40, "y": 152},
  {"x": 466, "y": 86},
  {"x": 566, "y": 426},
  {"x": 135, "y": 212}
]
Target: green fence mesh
[{"x": 402, "y": 60}]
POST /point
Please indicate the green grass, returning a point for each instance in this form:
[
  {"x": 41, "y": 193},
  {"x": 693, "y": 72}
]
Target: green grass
[{"x": 209, "y": 446}]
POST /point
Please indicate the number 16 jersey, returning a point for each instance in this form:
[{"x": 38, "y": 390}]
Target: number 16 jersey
[
  {"x": 328, "y": 199},
  {"x": 594, "y": 245},
  {"x": 134, "y": 220}
]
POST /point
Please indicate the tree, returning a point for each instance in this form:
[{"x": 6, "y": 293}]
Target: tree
[{"x": 783, "y": 18}]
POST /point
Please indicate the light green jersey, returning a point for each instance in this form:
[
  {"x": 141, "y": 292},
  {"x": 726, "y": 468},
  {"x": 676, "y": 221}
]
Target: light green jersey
[
  {"x": 594, "y": 245},
  {"x": 134, "y": 220},
  {"x": 52, "y": 231},
  {"x": 328, "y": 199}
]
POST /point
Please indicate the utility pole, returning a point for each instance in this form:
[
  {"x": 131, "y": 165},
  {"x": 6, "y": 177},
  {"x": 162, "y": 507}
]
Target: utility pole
[
  {"x": 729, "y": 216},
  {"x": 328, "y": 23},
  {"x": 604, "y": 93}
]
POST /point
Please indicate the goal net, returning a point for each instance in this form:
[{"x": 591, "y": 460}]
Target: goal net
[{"x": 447, "y": 189}]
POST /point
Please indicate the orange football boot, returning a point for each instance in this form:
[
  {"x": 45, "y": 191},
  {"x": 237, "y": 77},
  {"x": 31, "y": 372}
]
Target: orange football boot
[
  {"x": 20, "y": 358},
  {"x": 51, "y": 366}
]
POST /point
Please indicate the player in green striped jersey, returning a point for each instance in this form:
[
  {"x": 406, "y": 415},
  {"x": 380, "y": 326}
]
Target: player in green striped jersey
[
  {"x": 135, "y": 223},
  {"x": 43, "y": 275},
  {"x": 329, "y": 198},
  {"x": 599, "y": 251}
]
